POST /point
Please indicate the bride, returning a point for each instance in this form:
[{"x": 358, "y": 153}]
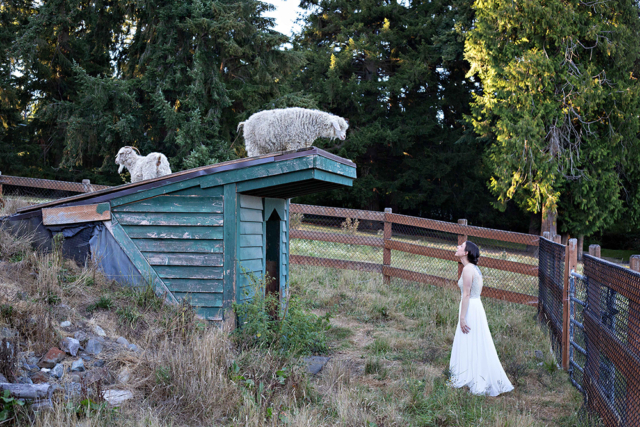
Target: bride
[{"x": 474, "y": 361}]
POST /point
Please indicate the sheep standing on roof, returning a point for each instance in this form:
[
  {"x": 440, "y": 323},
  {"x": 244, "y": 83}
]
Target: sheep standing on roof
[
  {"x": 141, "y": 167},
  {"x": 287, "y": 129}
]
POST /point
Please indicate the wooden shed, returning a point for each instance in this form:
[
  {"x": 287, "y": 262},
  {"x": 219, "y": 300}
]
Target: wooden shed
[{"x": 194, "y": 234}]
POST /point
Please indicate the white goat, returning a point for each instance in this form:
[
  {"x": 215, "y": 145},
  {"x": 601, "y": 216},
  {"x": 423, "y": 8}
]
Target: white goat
[
  {"x": 287, "y": 129},
  {"x": 141, "y": 167}
]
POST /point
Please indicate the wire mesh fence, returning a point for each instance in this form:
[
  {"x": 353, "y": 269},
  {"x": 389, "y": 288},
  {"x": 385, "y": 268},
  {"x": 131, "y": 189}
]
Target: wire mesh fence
[
  {"x": 35, "y": 190},
  {"x": 550, "y": 290},
  {"x": 612, "y": 334},
  {"x": 577, "y": 336},
  {"x": 414, "y": 249}
]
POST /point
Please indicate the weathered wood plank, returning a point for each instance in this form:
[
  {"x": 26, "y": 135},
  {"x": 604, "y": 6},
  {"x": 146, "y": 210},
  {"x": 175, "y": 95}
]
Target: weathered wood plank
[
  {"x": 76, "y": 214},
  {"x": 332, "y": 166},
  {"x": 250, "y": 215},
  {"x": 272, "y": 181},
  {"x": 197, "y": 191},
  {"x": 259, "y": 171},
  {"x": 250, "y": 202},
  {"x": 248, "y": 279},
  {"x": 210, "y": 313},
  {"x": 250, "y": 228},
  {"x": 337, "y": 238},
  {"x": 336, "y": 263},
  {"x": 248, "y": 240},
  {"x": 332, "y": 177},
  {"x": 250, "y": 253},
  {"x": 250, "y": 265},
  {"x": 195, "y": 260},
  {"x": 201, "y": 299},
  {"x": 180, "y": 245},
  {"x": 517, "y": 297},
  {"x": 171, "y": 232},
  {"x": 194, "y": 285},
  {"x": 163, "y": 189},
  {"x": 177, "y": 219},
  {"x": 139, "y": 261},
  {"x": 172, "y": 203},
  {"x": 176, "y": 272},
  {"x": 230, "y": 233}
]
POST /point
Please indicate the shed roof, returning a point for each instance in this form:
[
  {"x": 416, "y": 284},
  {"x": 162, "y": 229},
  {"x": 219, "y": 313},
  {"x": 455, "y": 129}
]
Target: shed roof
[{"x": 277, "y": 188}]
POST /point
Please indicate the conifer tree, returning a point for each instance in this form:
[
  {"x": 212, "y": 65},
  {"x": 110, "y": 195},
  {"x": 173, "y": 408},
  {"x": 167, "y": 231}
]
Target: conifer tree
[{"x": 560, "y": 105}]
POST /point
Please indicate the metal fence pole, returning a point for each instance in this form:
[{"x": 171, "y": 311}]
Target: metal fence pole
[
  {"x": 386, "y": 252},
  {"x": 571, "y": 260},
  {"x": 461, "y": 239}
]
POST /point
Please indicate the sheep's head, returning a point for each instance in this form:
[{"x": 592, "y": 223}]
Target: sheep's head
[
  {"x": 125, "y": 154},
  {"x": 340, "y": 127}
]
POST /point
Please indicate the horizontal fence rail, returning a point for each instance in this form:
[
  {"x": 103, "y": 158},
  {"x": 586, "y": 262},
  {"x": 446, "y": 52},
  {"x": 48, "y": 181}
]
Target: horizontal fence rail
[
  {"x": 38, "y": 190},
  {"x": 413, "y": 249}
]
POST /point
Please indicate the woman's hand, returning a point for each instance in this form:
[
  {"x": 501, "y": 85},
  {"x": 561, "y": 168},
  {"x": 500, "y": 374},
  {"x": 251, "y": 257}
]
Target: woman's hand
[{"x": 464, "y": 327}]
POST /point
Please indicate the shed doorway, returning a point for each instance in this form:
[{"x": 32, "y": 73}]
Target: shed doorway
[{"x": 272, "y": 262}]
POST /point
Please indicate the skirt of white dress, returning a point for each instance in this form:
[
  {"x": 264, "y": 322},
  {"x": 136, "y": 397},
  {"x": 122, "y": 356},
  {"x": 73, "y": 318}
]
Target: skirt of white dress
[{"x": 474, "y": 360}]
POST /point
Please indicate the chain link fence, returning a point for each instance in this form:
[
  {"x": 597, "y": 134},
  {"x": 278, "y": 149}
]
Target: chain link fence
[
  {"x": 413, "y": 249},
  {"x": 551, "y": 284},
  {"x": 612, "y": 334}
]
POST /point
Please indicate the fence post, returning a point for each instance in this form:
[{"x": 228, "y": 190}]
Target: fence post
[
  {"x": 594, "y": 250},
  {"x": 557, "y": 238},
  {"x": 386, "y": 253},
  {"x": 546, "y": 235},
  {"x": 570, "y": 263},
  {"x": 86, "y": 183},
  {"x": 461, "y": 239}
]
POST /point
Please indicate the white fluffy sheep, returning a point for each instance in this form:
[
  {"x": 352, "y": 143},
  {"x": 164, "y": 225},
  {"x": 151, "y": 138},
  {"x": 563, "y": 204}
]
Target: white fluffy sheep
[
  {"x": 150, "y": 166},
  {"x": 287, "y": 129}
]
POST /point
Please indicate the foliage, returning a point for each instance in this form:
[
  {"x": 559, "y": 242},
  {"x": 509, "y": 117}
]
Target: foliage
[
  {"x": 9, "y": 406},
  {"x": 287, "y": 328},
  {"x": 559, "y": 105}
]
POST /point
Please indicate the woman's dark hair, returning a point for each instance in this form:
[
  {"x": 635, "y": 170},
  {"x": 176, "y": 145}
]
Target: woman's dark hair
[{"x": 473, "y": 253}]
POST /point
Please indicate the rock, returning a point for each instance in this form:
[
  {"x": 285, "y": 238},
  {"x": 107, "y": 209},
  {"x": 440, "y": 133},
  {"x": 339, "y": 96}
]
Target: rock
[
  {"x": 123, "y": 341},
  {"x": 28, "y": 391},
  {"x": 100, "y": 374},
  {"x": 77, "y": 366},
  {"x": 133, "y": 347},
  {"x": 315, "y": 363},
  {"x": 57, "y": 371},
  {"x": 53, "y": 356},
  {"x": 539, "y": 355},
  {"x": 70, "y": 345},
  {"x": 75, "y": 378},
  {"x": 45, "y": 370},
  {"x": 65, "y": 324},
  {"x": 116, "y": 397},
  {"x": 3, "y": 379},
  {"x": 24, "y": 380},
  {"x": 124, "y": 376},
  {"x": 93, "y": 346},
  {"x": 99, "y": 363},
  {"x": 29, "y": 367},
  {"x": 99, "y": 331},
  {"x": 80, "y": 336},
  {"x": 72, "y": 389},
  {"x": 8, "y": 333},
  {"x": 39, "y": 378},
  {"x": 86, "y": 357},
  {"x": 32, "y": 360}
]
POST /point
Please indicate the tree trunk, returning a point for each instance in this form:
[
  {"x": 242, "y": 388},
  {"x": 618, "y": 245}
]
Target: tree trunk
[{"x": 580, "y": 245}]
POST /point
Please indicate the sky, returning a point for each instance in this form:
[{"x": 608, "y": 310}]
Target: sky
[{"x": 286, "y": 13}]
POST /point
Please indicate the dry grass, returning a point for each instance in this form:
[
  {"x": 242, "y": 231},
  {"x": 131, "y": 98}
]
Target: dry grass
[{"x": 390, "y": 348}]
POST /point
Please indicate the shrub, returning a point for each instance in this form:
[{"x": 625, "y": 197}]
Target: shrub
[
  {"x": 350, "y": 226},
  {"x": 288, "y": 329}
]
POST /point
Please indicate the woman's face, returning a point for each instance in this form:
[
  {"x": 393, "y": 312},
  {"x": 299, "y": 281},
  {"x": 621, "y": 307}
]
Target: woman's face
[{"x": 460, "y": 250}]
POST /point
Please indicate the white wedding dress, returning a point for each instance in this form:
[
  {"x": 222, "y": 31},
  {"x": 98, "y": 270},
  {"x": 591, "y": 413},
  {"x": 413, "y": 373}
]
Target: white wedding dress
[{"x": 474, "y": 360}]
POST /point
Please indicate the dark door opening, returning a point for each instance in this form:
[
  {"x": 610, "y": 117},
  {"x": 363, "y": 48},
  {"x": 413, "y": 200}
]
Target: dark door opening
[{"x": 274, "y": 240}]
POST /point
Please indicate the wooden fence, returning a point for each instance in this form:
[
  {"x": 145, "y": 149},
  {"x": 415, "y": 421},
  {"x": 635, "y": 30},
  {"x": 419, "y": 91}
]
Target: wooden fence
[{"x": 387, "y": 222}]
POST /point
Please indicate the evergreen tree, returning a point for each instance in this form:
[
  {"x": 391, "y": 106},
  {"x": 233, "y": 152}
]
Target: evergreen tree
[
  {"x": 560, "y": 105},
  {"x": 397, "y": 73}
]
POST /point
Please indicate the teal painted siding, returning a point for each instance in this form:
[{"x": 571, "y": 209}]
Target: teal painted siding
[
  {"x": 180, "y": 235},
  {"x": 284, "y": 267},
  {"x": 250, "y": 243}
]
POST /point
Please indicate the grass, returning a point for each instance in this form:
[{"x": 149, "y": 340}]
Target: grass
[
  {"x": 619, "y": 255},
  {"x": 389, "y": 348}
]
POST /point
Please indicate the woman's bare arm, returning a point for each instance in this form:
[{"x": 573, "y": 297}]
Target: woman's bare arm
[{"x": 467, "y": 278}]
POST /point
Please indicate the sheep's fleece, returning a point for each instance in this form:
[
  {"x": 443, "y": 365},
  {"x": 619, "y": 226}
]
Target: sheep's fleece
[
  {"x": 287, "y": 129},
  {"x": 142, "y": 167}
]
